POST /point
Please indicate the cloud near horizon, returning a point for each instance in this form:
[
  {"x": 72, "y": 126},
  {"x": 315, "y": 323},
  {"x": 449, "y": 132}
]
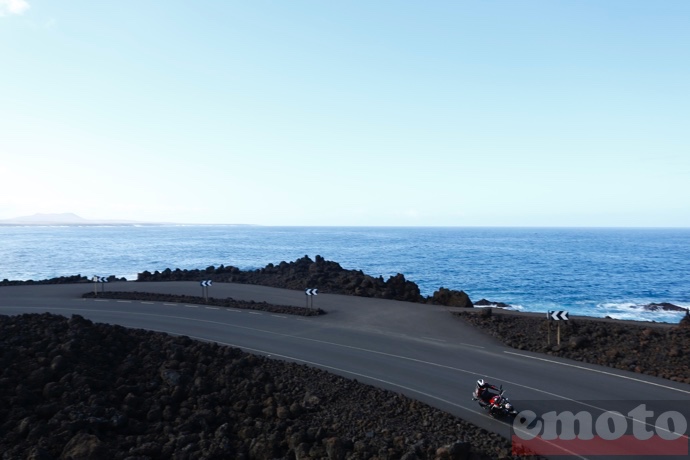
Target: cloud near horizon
[{"x": 8, "y": 7}]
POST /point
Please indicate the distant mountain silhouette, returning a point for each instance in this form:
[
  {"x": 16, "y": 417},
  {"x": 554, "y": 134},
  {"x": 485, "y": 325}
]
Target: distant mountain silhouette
[
  {"x": 66, "y": 218},
  {"x": 69, "y": 218}
]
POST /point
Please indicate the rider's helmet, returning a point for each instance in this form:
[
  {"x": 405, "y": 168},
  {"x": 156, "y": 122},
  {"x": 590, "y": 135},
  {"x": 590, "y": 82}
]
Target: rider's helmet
[{"x": 480, "y": 383}]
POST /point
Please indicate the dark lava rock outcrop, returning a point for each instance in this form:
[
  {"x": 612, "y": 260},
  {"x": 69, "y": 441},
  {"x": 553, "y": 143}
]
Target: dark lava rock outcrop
[
  {"x": 59, "y": 280},
  {"x": 663, "y": 306},
  {"x": 72, "y": 389},
  {"x": 451, "y": 298},
  {"x": 327, "y": 276},
  {"x": 657, "y": 349}
]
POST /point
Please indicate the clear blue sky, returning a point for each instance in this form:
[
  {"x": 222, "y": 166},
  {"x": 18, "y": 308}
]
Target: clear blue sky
[{"x": 440, "y": 113}]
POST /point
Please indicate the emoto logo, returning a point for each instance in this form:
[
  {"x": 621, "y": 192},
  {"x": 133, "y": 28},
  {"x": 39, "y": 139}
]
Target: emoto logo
[{"x": 639, "y": 432}]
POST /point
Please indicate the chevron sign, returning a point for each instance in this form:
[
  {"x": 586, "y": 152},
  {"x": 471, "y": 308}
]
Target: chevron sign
[
  {"x": 99, "y": 279},
  {"x": 206, "y": 283},
  {"x": 311, "y": 291},
  {"x": 557, "y": 315}
]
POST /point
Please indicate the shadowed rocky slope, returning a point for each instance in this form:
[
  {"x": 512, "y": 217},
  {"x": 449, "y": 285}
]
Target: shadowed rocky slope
[{"x": 72, "y": 389}]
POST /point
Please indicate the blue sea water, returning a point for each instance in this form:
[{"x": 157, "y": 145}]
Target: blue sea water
[{"x": 586, "y": 271}]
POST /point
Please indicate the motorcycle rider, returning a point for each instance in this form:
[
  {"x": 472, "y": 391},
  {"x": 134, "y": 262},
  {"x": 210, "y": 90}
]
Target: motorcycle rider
[{"x": 483, "y": 391}]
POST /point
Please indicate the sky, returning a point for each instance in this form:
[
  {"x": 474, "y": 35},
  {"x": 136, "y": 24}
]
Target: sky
[{"x": 348, "y": 113}]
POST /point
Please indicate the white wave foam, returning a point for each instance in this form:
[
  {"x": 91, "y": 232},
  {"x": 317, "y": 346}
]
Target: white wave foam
[
  {"x": 510, "y": 307},
  {"x": 637, "y": 312}
]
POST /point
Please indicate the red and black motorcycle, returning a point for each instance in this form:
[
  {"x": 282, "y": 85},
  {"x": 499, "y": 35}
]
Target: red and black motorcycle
[{"x": 492, "y": 399}]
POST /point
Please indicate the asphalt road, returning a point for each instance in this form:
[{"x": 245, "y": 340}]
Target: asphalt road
[{"x": 421, "y": 351}]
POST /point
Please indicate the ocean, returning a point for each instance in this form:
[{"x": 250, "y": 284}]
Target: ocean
[{"x": 585, "y": 271}]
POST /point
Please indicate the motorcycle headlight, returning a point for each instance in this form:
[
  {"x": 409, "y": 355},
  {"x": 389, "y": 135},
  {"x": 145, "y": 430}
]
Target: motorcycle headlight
[{"x": 509, "y": 406}]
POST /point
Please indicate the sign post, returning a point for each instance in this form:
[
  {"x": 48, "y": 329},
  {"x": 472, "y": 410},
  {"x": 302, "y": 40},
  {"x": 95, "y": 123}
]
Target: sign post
[
  {"x": 96, "y": 280},
  {"x": 557, "y": 316},
  {"x": 204, "y": 288},
  {"x": 311, "y": 293},
  {"x": 548, "y": 327}
]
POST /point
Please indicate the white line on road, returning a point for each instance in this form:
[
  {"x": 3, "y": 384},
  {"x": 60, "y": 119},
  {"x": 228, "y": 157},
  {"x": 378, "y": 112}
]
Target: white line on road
[
  {"x": 101, "y": 300},
  {"x": 170, "y": 304},
  {"x": 255, "y": 313},
  {"x": 212, "y": 308},
  {"x": 234, "y": 311},
  {"x": 435, "y": 340},
  {"x": 597, "y": 370},
  {"x": 124, "y": 301},
  {"x": 279, "y": 316}
]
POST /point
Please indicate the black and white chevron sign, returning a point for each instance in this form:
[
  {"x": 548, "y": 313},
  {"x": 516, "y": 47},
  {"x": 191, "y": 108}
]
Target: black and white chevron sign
[
  {"x": 206, "y": 283},
  {"x": 99, "y": 279},
  {"x": 557, "y": 315},
  {"x": 311, "y": 291}
]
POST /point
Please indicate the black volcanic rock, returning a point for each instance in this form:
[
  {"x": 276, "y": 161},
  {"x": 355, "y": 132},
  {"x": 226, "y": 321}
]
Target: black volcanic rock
[
  {"x": 451, "y": 298},
  {"x": 665, "y": 306},
  {"x": 326, "y": 276},
  {"x": 489, "y": 303},
  {"x": 59, "y": 280}
]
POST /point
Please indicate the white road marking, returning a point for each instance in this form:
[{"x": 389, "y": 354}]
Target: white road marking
[
  {"x": 435, "y": 340},
  {"x": 170, "y": 304},
  {"x": 598, "y": 371},
  {"x": 101, "y": 300},
  {"x": 235, "y": 311},
  {"x": 470, "y": 345},
  {"x": 124, "y": 301},
  {"x": 279, "y": 316},
  {"x": 255, "y": 313},
  {"x": 211, "y": 308}
]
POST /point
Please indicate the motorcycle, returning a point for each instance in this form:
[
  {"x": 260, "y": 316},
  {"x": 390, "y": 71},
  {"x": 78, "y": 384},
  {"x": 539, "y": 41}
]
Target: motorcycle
[{"x": 497, "y": 404}]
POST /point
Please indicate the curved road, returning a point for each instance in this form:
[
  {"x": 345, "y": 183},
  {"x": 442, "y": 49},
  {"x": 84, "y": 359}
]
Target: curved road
[{"x": 421, "y": 351}]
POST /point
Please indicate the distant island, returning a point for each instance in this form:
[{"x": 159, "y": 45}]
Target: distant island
[
  {"x": 66, "y": 218},
  {"x": 71, "y": 219}
]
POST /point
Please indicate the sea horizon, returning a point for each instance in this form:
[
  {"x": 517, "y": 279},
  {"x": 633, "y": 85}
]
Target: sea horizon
[{"x": 74, "y": 220}]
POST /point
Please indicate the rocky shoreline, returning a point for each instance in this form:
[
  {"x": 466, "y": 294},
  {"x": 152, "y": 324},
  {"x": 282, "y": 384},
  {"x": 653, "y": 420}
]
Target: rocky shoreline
[
  {"x": 74, "y": 390},
  {"x": 303, "y": 273}
]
